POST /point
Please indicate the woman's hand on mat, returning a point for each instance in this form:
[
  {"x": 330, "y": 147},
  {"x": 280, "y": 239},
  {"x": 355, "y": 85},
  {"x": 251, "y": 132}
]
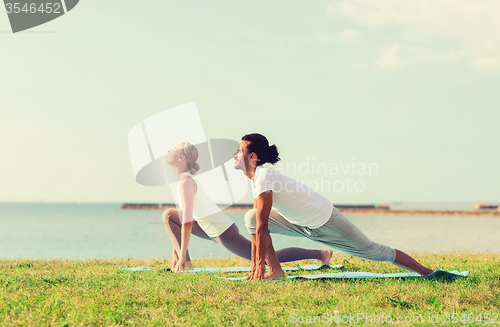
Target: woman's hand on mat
[{"x": 182, "y": 263}]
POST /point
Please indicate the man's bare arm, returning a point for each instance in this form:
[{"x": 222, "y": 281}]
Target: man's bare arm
[
  {"x": 264, "y": 205},
  {"x": 254, "y": 250}
]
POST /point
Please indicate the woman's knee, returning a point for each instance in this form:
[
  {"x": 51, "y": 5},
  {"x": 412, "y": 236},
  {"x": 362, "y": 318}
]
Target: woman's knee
[{"x": 169, "y": 214}]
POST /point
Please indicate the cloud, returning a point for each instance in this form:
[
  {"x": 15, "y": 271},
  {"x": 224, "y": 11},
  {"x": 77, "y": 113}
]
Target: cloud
[
  {"x": 350, "y": 36},
  {"x": 347, "y": 36},
  {"x": 390, "y": 58},
  {"x": 486, "y": 63},
  {"x": 468, "y": 28},
  {"x": 324, "y": 37},
  {"x": 360, "y": 65}
]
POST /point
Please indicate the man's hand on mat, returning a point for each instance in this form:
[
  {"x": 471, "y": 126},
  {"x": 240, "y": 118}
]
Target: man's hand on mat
[
  {"x": 252, "y": 273},
  {"x": 254, "y": 264},
  {"x": 250, "y": 277},
  {"x": 258, "y": 273}
]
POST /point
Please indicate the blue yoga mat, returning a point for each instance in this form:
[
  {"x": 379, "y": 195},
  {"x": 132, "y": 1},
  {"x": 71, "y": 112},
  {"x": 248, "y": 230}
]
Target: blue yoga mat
[
  {"x": 361, "y": 274},
  {"x": 237, "y": 269}
]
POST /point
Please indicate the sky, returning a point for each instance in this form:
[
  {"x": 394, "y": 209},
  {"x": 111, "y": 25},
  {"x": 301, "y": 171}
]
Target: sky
[{"x": 409, "y": 89}]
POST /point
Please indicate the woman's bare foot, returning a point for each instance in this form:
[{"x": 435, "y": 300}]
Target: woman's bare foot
[
  {"x": 326, "y": 255},
  {"x": 275, "y": 275},
  {"x": 189, "y": 265}
]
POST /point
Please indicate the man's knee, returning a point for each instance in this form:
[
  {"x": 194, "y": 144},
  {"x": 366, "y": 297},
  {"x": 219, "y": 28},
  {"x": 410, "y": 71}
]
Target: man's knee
[{"x": 251, "y": 220}]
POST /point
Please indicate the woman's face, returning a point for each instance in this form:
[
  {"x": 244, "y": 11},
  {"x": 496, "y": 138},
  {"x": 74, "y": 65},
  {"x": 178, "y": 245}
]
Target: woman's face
[{"x": 174, "y": 154}]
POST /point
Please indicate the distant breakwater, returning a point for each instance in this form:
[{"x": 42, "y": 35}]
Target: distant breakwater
[{"x": 345, "y": 209}]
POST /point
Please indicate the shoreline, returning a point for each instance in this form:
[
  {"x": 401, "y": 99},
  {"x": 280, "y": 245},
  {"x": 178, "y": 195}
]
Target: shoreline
[
  {"x": 206, "y": 261},
  {"x": 344, "y": 209}
]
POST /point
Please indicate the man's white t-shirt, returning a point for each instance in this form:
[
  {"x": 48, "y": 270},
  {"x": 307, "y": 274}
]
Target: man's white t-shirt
[{"x": 296, "y": 202}]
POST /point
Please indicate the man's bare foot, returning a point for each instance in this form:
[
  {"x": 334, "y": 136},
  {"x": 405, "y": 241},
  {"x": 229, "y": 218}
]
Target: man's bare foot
[
  {"x": 326, "y": 255},
  {"x": 275, "y": 275}
]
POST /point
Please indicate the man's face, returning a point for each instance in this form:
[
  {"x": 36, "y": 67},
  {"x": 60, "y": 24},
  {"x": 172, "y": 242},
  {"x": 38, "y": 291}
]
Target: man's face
[{"x": 241, "y": 157}]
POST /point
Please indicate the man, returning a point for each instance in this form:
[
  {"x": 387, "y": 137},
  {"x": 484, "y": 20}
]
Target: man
[{"x": 282, "y": 205}]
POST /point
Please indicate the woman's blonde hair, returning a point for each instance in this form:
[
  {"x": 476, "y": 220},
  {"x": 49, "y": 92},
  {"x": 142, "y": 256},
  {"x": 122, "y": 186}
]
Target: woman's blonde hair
[{"x": 191, "y": 153}]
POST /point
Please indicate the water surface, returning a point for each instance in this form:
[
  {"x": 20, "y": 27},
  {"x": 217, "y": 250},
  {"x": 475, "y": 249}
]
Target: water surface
[{"x": 67, "y": 230}]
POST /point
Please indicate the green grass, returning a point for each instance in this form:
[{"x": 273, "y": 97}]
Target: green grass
[{"x": 97, "y": 293}]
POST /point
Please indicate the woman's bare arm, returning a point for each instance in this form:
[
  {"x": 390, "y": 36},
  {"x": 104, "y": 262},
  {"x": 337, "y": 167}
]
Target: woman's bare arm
[{"x": 187, "y": 190}]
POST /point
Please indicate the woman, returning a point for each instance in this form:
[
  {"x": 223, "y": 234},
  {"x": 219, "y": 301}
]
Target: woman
[{"x": 192, "y": 217}]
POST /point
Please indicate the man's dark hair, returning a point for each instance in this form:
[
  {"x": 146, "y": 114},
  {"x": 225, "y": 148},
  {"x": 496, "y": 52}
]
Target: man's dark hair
[{"x": 260, "y": 145}]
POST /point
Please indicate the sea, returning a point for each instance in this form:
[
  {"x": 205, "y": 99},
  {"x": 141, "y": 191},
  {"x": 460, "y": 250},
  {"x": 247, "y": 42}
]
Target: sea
[{"x": 103, "y": 230}]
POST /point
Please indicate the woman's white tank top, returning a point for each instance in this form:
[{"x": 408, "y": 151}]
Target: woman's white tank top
[{"x": 207, "y": 214}]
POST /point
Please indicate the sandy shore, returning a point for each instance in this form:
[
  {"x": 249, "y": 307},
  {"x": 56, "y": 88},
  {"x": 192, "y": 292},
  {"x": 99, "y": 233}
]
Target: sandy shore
[{"x": 347, "y": 210}]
